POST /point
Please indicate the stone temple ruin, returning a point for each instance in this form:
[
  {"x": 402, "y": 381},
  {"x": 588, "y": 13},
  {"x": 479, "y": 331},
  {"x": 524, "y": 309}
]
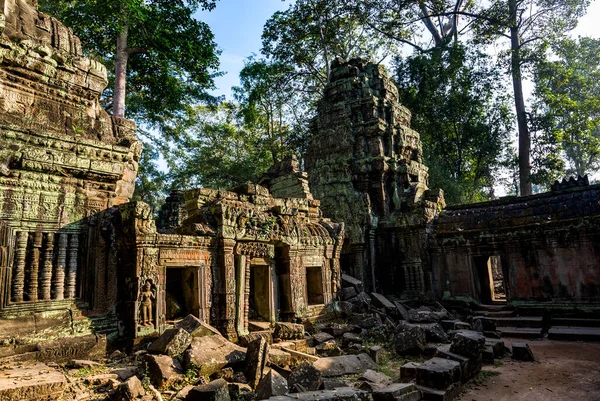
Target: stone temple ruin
[{"x": 82, "y": 267}]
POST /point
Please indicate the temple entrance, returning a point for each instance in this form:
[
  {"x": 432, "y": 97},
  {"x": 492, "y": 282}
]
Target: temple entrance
[
  {"x": 182, "y": 295},
  {"x": 489, "y": 279},
  {"x": 314, "y": 285},
  {"x": 260, "y": 293}
]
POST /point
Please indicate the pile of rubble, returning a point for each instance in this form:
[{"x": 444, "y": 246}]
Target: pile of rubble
[{"x": 336, "y": 360}]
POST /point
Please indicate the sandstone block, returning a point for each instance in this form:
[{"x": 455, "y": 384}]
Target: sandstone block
[{"x": 172, "y": 342}]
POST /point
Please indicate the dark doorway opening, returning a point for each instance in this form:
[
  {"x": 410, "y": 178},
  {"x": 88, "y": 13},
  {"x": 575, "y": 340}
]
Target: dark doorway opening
[
  {"x": 489, "y": 279},
  {"x": 314, "y": 285},
  {"x": 181, "y": 293},
  {"x": 346, "y": 258},
  {"x": 284, "y": 284},
  {"x": 260, "y": 302}
]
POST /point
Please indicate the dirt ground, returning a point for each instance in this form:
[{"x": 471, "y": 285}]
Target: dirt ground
[{"x": 563, "y": 371}]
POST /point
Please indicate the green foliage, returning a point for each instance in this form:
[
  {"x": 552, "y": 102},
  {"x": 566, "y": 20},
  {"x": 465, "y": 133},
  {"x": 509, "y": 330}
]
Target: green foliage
[
  {"x": 91, "y": 370},
  {"x": 566, "y": 112},
  {"x": 217, "y": 150},
  {"x": 483, "y": 376},
  {"x": 151, "y": 184},
  {"x": 173, "y": 57},
  {"x": 464, "y": 121}
]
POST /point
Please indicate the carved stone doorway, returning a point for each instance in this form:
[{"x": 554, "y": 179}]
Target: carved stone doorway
[
  {"x": 488, "y": 274},
  {"x": 182, "y": 292},
  {"x": 314, "y": 285}
]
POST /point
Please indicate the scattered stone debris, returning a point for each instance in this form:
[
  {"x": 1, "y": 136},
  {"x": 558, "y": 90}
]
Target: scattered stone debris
[{"x": 522, "y": 352}]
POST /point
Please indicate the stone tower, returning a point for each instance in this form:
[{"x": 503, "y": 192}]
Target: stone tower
[{"x": 365, "y": 166}]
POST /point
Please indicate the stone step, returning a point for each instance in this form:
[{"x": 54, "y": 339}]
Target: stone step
[
  {"x": 520, "y": 321},
  {"x": 521, "y": 332},
  {"x": 490, "y": 314},
  {"x": 574, "y": 333},
  {"x": 496, "y": 307},
  {"x": 574, "y": 322}
]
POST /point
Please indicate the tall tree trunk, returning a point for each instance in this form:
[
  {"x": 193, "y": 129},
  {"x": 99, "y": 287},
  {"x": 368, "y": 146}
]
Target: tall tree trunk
[
  {"x": 120, "y": 74},
  {"x": 524, "y": 138}
]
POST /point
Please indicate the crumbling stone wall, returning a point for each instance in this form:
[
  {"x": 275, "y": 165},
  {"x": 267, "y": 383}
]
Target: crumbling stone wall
[
  {"x": 365, "y": 166},
  {"x": 548, "y": 244},
  {"x": 63, "y": 160}
]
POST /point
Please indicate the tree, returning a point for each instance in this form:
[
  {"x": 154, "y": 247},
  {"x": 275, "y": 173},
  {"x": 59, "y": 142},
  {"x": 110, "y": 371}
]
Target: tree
[
  {"x": 464, "y": 123},
  {"x": 217, "y": 150},
  {"x": 566, "y": 112},
  {"x": 166, "y": 58},
  {"x": 312, "y": 33},
  {"x": 270, "y": 105}
]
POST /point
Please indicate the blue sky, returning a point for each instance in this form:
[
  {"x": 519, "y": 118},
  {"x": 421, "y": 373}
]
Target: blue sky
[{"x": 238, "y": 25}]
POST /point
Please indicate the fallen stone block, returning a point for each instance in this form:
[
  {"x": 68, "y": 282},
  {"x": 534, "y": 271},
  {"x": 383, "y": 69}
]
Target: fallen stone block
[
  {"x": 217, "y": 390},
  {"x": 279, "y": 357},
  {"x": 81, "y": 364},
  {"x": 470, "y": 366},
  {"x": 467, "y": 343},
  {"x": 240, "y": 391},
  {"x": 438, "y": 373},
  {"x": 522, "y": 352},
  {"x": 455, "y": 325},
  {"x": 257, "y": 356},
  {"x": 393, "y": 392},
  {"x": 409, "y": 339},
  {"x": 432, "y": 394},
  {"x": 498, "y": 347},
  {"x": 298, "y": 357},
  {"x": 163, "y": 370},
  {"x": 487, "y": 354},
  {"x": 338, "y": 329},
  {"x": 271, "y": 385},
  {"x": 349, "y": 281},
  {"x": 351, "y": 338},
  {"x": 382, "y": 302},
  {"x": 322, "y": 337},
  {"x": 402, "y": 310},
  {"x": 131, "y": 389},
  {"x": 377, "y": 378},
  {"x": 196, "y": 327},
  {"x": 338, "y": 394},
  {"x": 304, "y": 377},
  {"x": 126, "y": 372},
  {"x": 288, "y": 331},
  {"x": 365, "y": 321},
  {"x": 226, "y": 374},
  {"x": 376, "y": 353},
  {"x": 172, "y": 342},
  {"x": 434, "y": 332},
  {"x": 31, "y": 381},
  {"x": 408, "y": 371},
  {"x": 345, "y": 365},
  {"x": 245, "y": 340},
  {"x": 212, "y": 353},
  {"x": 348, "y": 293}
]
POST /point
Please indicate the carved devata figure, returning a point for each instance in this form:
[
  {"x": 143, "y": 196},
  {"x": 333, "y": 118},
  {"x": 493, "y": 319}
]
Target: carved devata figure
[{"x": 147, "y": 296}]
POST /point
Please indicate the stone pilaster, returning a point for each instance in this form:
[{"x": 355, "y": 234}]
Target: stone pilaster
[
  {"x": 46, "y": 274},
  {"x": 18, "y": 276},
  {"x": 228, "y": 287},
  {"x": 34, "y": 269},
  {"x": 71, "y": 282},
  {"x": 58, "y": 278}
]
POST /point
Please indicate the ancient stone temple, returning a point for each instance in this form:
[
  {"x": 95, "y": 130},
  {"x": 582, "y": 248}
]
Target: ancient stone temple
[
  {"x": 63, "y": 159},
  {"x": 241, "y": 256},
  {"x": 365, "y": 165}
]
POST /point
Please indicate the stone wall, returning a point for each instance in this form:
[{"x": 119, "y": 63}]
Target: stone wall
[
  {"x": 548, "y": 244},
  {"x": 365, "y": 166},
  {"x": 63, "y": 160}
]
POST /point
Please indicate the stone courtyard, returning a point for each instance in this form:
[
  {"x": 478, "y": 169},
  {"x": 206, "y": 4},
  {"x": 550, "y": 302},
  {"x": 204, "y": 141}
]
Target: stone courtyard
[{"x": 347, "y": 279}]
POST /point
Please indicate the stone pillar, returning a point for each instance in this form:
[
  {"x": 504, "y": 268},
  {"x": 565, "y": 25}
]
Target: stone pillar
[
  {"x": 58, "y": 278},
  {"x": 18, "y": 276},
  {"x": 241, "y": 291},
  {"x": 34, "y": 270},
  {"x": 228, "y": 287},
  {"x": 46, "y": 276},
  {"x": 71, "y": 282},
  {"x": 297, "y": 283}
]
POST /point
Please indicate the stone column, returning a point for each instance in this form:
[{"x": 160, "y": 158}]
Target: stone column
[
  {"x": 46, "y": 276},
  {"x": 228, "y": 287},
  {"x": 297, "y": 283},
  {"x": 34, "y": 270},
  {"x": 18, "y": 276},
  {"x": 58, "y": 278},
  {"x": 71, "y": 282}
]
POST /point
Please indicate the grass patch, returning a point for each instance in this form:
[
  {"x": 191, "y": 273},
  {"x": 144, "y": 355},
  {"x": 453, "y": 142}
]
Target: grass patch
[
  {"x": 498, "y": 363},
  {"x": 483, "y": 376},
  {"x": 91, "y": 371}
]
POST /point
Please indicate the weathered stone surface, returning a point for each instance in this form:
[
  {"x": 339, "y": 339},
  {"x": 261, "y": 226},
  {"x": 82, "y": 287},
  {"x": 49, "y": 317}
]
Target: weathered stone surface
[
  {"x": 217, "y": 390},
  {"x": 434, "y": 332},
  {"x": 381, "y": 301},
  {"x": 393, "y": 392},
  {"x": 172, "y": 342},
  {"x": 257, "y": 356},
  {"x": 126, "y": 372},
  {"x": 409, "y": 339},
  {"x": 470, "y": 366},
  {"x": 304, "y": 377},
  {"x": 402, "y": 310},
  {"x": 131, "y": 389},
  {"x": 31, "y": 381},
  {"x": 271, "y": 385},
  {"x": 162, "y": 370},
  {"x": 377, "y": 378},
  {"x": 522, "y": 352},
  {"x": 245, "y": 340},
  {"x": 351, "y": 338},
  {"x": 339, "y": 394},
  {"x": 322, "y": 337},
  {"x": 438, "y": 373},
  {"x": 376, "y": 353},
  {"x": 196, "y": 327},
  {"x": 366, "y": 321},
  {"x": 349, "y": 281},
  {"x": 288, "y": 331},
  {"x": 467, "y": 343},
  {"x": 279, "y": 357},
  {"x": 345, "y": 365},
  {"x": 210, "y": 354},
  {"x": 408, "y": 371}
]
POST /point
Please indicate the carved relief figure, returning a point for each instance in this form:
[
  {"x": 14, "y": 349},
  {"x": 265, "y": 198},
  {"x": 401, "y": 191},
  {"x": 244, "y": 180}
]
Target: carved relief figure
[{"x": 147, "y": 296}]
